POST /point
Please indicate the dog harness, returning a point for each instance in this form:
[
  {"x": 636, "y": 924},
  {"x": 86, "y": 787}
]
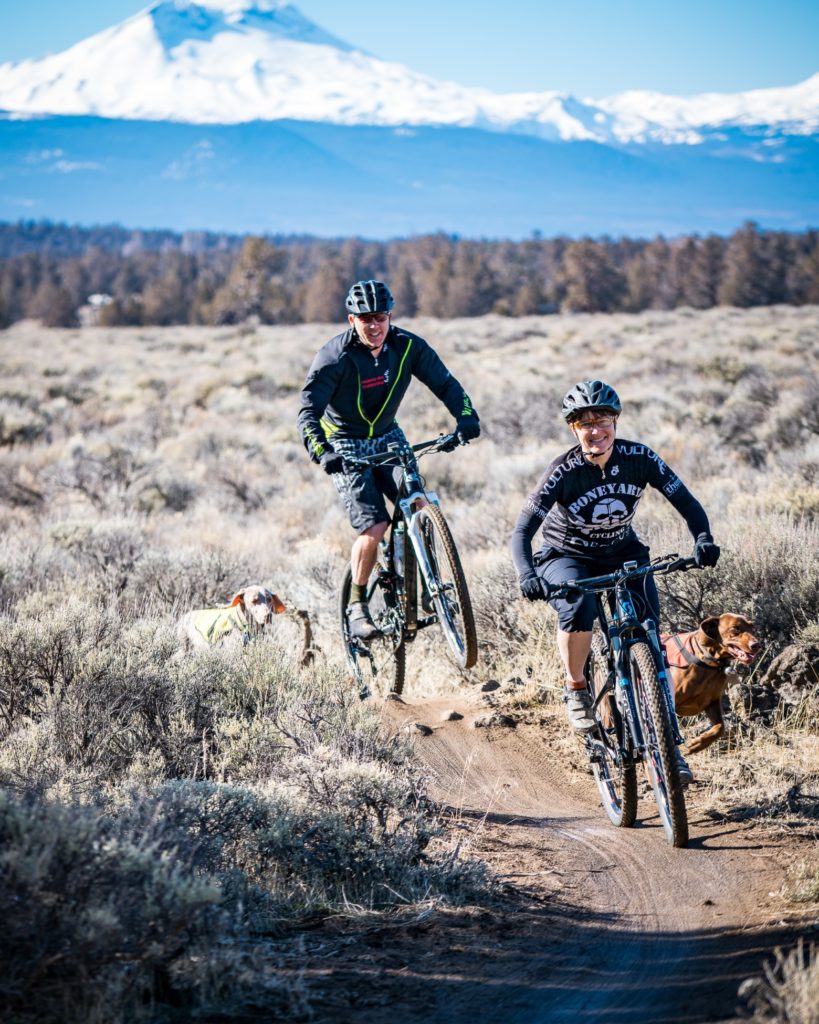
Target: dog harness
[
  {"x": 683, "y": 649},
  {"x": 214, "y": 624}
]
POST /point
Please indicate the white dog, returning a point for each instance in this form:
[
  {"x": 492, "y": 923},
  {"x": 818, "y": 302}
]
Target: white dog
[{"x": 242, "y": 620}]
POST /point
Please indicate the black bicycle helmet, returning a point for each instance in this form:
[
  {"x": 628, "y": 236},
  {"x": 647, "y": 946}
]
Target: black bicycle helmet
[
  {"x": 590, "y": 394},
  {"x": 369, "y": 297}
]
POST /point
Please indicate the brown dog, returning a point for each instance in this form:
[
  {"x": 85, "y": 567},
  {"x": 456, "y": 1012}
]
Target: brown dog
[{"x": 699, "y": 664}]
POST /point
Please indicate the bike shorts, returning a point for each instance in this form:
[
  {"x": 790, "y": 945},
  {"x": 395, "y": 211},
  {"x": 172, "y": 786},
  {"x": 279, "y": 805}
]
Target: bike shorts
[
  {"x": 364, "y": 491},
  {"x": 579, "y": 616}
]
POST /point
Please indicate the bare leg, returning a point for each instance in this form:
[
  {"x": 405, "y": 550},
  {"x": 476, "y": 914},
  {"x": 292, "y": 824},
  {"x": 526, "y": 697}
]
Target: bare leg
[
  {"x": 574, "y": 650},
  {"x": 365, "y": 550}
]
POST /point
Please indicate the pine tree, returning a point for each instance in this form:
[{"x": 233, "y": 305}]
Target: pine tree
[
  {"x": 53, "y": 306},
  {"x": 701, "y": 285},
  {"x": 745, "y": 270},
  {"x": 325, "y": 294},
  {"x": 471, "y": 289},
  {"x": 433, "y": 287},
  {"x": 403, "y": 288},
  {"x": 249, "y": 292},
  {"x": 593, "y": 284}
]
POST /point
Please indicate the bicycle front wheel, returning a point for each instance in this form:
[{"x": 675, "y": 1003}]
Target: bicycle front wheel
[
  {"x": 450, "y": 595},
  {"x": 614, "y": 771},
  {"x": 660, "y": 760},
  {"x": 380, "y": 665}
]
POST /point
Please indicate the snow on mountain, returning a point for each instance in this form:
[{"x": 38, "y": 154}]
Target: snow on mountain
[
  {"x": 637, "y": 116},
  {"x": 232, "y": 61}
]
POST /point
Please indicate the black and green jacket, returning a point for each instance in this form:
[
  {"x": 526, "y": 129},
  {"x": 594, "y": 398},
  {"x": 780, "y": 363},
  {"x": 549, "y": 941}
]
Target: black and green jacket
[{"x": 348, "y": 394}]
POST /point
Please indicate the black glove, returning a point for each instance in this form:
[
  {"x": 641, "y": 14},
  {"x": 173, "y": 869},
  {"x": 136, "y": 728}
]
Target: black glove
[
  {"x": 534, "y": 588},
  {"x": 331, "y": 462},
  {"x": 706, "y": 552},
  {"x": 467, "y": 430}
]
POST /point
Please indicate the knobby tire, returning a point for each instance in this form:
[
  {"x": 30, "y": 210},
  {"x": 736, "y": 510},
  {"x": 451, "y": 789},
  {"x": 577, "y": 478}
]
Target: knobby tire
[
  {"x": 388, "y": 655},
  {"x": 617, "y": 784},
  {"x": 661, "y": 763},
  {"x": 456, "y": 618}
]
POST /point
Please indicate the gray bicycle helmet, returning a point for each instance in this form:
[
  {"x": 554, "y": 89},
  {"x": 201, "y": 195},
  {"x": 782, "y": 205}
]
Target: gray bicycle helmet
[
  {"x": 590, "y": 394},
  {"x": 369, "y": 297}
]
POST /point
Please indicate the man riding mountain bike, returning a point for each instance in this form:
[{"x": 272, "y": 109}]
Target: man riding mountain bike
[
  {"x": 585, "y": 503},
  {"x": 348, "y": 407}
]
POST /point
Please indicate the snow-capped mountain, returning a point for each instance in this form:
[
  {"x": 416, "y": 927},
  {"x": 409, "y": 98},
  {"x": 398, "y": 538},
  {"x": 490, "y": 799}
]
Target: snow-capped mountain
[
  {"x": 233, "y": 61},
  {"x": 243, "y": 115}
]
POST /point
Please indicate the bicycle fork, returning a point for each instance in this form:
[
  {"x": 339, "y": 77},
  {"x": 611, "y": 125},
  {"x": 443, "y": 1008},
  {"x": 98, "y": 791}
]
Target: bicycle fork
[
  {"x": 662, "y": 675},
  {"x": 417, "y": 541},
  {"x": 624, "y": 690}
]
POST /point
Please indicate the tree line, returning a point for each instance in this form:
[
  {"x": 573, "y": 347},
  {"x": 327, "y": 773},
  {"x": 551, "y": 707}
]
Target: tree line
[{"x": 48, "y": 272}]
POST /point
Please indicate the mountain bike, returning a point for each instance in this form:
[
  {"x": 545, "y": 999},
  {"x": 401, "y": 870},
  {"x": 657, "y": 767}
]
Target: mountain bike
[
  {"x": 632, "y": 702},
  {"x": 430, "y": 557}
]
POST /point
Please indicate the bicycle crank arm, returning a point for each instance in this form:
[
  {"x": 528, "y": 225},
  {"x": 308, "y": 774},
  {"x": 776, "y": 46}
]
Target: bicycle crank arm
[{"x": 429, "y": 620}]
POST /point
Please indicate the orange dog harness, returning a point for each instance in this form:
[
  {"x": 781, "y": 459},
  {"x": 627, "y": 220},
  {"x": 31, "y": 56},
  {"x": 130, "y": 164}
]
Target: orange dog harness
[{"x": 683, "y": 649}]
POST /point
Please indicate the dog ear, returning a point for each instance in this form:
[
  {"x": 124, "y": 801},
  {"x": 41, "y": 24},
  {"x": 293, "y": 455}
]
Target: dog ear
[
  {"x": 277, "y": 604},
  {"x": 238, "y": 599},
  {"x": 710, "y": 627}
]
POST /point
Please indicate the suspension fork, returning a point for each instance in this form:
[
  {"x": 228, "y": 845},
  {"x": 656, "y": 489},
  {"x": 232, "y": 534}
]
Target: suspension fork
[
  {"x": 413, "y": 528},
  {"x": 625, "y": 687},
  {"x": 614, "y": 627},
  {"x": 659, "y": 659}
]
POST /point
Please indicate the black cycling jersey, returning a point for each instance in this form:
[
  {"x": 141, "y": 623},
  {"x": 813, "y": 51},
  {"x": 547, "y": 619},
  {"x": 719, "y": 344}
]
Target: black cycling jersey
[
  {"x": 349, "y": 394},
  {"x": 587, "y": 510}
]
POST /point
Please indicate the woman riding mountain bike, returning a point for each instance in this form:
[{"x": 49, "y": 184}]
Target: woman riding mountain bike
[{"x": 585, "y": 503}]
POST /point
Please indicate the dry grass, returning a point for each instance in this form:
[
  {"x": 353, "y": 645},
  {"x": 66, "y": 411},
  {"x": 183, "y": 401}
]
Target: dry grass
[
  {"x": 147, "y": 471},
  {"x": 789, "y": 991},
  {"x": 802, "y": 885}
]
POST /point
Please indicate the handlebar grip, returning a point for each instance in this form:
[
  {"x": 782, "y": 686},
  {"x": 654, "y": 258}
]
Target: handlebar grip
[{"x": 682, "y": 565}]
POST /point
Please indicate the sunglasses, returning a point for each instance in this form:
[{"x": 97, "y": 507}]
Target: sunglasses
[
  {"x": 372, "y": 318},
  {"x": 598, "y": 421}
]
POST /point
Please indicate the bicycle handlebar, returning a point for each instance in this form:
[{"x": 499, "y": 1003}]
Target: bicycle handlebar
[
  {"x": 444, "y": 442},
  {"x": 599, "y": 584}
]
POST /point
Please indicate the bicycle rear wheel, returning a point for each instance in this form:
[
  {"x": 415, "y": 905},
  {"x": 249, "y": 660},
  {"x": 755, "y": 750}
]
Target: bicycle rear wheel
[
  {"x": 660, "y": 762},
  {"x": 450, "y": 595},
  {"x": 614, "y": 771},
  {"x": 379, "y": 666}
]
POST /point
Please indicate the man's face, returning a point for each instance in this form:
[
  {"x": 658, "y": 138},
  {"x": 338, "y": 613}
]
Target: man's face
[{"x": 371, "y": 328}]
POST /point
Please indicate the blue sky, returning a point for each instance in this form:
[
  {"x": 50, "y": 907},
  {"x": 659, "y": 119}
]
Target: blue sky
[{"x": 586, "y": 47}]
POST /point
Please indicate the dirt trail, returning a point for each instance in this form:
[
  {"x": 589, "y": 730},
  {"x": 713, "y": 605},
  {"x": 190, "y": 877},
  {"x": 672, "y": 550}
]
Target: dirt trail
[{"x": 618, "y": 926}]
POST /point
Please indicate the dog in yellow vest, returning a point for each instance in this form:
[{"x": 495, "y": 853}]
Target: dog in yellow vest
[{"x": 242, "y": 620}]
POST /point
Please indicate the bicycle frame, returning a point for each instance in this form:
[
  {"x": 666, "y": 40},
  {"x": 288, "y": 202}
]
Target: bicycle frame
[
  {"x": 410, "y": 490},
  {"x": 622, "y": 628}
]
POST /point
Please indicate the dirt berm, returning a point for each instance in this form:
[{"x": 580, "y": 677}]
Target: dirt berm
[{"x": 602, "y": 924}]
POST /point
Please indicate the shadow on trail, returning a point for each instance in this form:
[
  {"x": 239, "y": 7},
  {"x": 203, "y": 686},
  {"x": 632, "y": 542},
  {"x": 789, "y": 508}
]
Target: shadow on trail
[{"x": 534, "y": 967}]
